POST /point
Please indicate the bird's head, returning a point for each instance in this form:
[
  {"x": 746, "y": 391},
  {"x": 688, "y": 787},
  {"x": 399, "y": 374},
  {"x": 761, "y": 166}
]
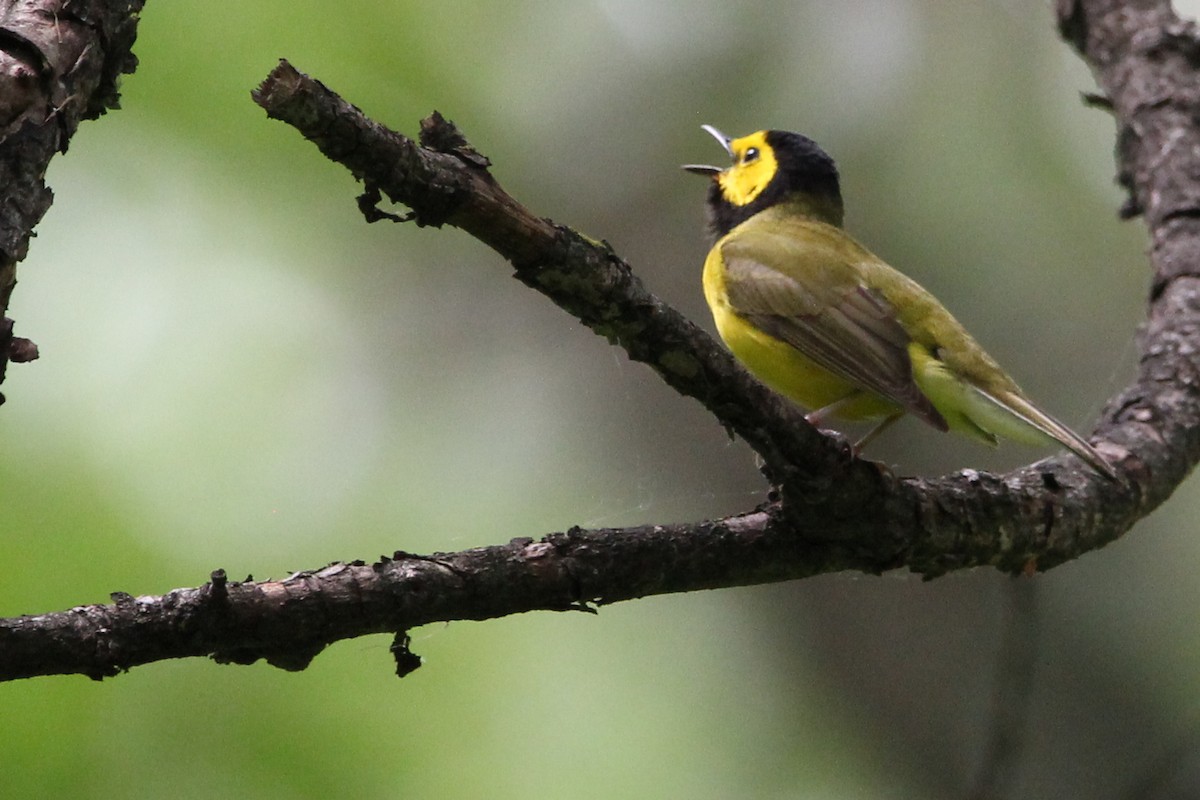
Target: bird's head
[{"x": 770, "y": 168}]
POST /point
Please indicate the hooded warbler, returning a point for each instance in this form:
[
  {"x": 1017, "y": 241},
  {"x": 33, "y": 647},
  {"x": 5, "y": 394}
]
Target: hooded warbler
[{"x": 823, "y": 321}]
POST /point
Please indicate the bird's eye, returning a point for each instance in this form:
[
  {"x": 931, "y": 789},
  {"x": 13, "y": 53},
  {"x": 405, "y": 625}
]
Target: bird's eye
[{"x": 751, "y": 156}]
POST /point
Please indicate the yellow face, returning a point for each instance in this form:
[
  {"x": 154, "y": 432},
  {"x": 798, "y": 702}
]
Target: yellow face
[{"x": 754, "y": 166}]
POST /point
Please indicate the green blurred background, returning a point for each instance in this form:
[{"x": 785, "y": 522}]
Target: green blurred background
[{"x": 238, "y": 372}]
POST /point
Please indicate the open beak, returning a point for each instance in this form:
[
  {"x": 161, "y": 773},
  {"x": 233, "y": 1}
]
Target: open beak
[{"x": 705, "y": 169}]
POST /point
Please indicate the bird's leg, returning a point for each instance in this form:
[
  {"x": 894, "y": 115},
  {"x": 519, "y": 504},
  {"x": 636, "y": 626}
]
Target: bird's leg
[
  {"x": 817, "y": 417},
  {"x": 874, "y": 432}
]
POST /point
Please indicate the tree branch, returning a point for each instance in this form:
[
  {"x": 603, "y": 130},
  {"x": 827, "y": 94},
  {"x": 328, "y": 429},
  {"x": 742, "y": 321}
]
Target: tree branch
[
  {"x": 288, "y": 622},
  {"x": 829, "y": 512},
  {"x": 59, "y": 64},
  {"x": 928, "y": 525}
]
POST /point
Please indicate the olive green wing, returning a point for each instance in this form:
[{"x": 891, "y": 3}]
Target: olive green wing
[{"x": 811, "y": 299}]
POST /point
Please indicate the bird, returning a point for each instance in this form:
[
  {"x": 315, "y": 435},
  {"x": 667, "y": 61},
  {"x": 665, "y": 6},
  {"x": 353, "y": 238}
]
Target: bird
[{"x": 818, "y": 318}]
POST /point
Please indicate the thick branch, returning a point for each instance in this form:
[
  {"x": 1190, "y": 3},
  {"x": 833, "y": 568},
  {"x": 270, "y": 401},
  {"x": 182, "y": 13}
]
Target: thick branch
[
  {"x": 59, "y": 64},
  {"x": 288, "y": 622}
]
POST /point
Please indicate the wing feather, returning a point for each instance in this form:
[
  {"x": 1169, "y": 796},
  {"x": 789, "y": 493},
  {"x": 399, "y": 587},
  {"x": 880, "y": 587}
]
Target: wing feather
[{"x": 842, "y": 325}]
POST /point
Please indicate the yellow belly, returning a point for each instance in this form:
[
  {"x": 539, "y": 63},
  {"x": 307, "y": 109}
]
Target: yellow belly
[{"x": 781, "y": 366}]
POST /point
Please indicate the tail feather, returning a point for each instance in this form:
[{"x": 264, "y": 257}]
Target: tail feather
[{"x": 1034, "y": 426}]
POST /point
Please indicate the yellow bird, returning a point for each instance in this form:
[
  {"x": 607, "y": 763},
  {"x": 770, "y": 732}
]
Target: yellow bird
[{"x": 823, "y": 321}]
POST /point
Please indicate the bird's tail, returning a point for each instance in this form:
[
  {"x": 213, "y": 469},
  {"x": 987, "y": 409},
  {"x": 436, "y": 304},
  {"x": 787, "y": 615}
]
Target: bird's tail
[{"x": 1022, "y": 421}]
